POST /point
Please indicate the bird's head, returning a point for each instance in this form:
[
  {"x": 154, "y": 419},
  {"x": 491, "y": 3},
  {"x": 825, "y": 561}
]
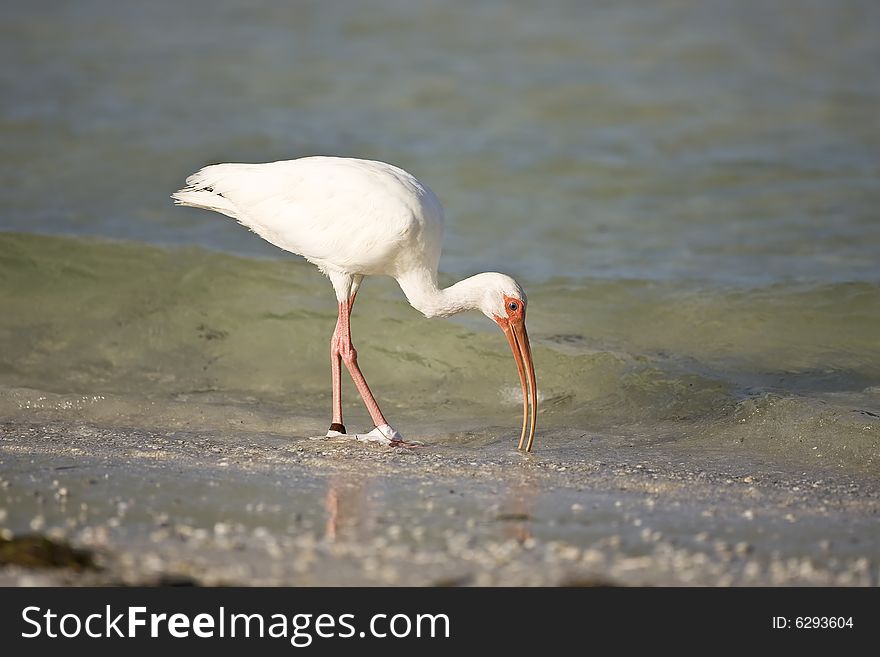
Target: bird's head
[{"x": 504, "y": 302}]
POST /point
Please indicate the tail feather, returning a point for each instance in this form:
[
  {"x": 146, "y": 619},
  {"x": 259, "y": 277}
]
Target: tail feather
[{"x": 200, "y": 192}]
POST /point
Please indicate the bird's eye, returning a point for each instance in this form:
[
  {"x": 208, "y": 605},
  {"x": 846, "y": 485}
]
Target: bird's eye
[{"x": 513, "y": 306}]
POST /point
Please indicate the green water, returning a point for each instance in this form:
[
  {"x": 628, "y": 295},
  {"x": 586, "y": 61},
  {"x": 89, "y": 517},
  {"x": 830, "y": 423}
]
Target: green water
[
  {"x": 688, "y": 191},
  {"x": 187, "y": 337}
]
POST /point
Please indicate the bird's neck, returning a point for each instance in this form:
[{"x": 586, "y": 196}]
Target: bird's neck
[{"x": 423, "y": 293}]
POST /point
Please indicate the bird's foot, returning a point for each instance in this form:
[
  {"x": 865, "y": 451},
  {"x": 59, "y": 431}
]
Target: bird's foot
[
  {"x": 385, "y": 435},
  {"x": 336, "y": 430}
]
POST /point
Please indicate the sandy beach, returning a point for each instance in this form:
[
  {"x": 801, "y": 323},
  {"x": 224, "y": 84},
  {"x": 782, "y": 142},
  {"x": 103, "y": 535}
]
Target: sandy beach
[{"x": 174, "y": 507}]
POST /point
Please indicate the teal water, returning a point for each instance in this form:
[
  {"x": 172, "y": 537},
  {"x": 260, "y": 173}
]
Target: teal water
[{"x": 688, "y": 191}]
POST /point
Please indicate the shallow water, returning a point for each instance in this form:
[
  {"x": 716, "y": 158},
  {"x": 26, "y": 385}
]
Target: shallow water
[
  {"x": 688, "y": 192},
  {"x": 228, "y": 508},
  {"x": 144, "y": 336}
]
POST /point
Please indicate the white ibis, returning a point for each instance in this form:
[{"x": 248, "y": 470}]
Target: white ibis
[{"x": 354, "y": 218}]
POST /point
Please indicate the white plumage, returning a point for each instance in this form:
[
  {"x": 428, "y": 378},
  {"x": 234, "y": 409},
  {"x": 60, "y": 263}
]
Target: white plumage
[
  {"x": 315, "y": 206},
  {"x": 353, "y": 218}
]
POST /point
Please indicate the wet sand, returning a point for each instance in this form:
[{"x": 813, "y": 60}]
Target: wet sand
[{"x": 239, "y": 508}]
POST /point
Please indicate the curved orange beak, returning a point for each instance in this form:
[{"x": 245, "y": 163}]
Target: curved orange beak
[{"x": 514, "y": 328}]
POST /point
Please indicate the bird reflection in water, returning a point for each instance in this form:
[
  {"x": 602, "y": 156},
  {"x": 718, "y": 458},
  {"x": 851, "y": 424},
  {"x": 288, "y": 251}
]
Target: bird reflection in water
[
  {"x": 350, "y": 512},
  {"x": 516, "y": 514}
]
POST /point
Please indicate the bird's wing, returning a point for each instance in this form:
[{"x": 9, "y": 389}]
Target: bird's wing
[{"x": 352, "y": 215}]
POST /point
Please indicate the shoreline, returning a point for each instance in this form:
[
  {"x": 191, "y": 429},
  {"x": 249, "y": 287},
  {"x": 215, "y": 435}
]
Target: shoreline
[{"x": 224, "y": 508}]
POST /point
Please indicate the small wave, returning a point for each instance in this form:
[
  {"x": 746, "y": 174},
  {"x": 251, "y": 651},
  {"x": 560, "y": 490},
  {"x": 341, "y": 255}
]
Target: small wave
[{"x": 770, "y": 369}]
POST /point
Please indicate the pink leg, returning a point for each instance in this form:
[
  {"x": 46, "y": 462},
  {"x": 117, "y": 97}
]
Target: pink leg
[
  {"x": 336, "y": 366},
  {"x": 343, "y": 350},
  {"x": 336, "y": 376}
]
